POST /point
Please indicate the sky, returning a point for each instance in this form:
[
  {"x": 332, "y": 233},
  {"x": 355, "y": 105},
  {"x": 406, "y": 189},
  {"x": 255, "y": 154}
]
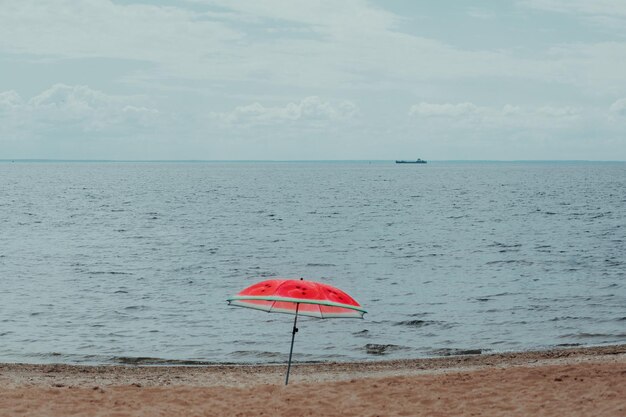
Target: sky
[{"x": 313, "y": 80}]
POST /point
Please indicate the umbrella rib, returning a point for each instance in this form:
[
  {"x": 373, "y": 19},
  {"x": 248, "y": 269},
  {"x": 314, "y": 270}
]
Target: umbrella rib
[
  {"x": 276, "y": 290},
  {"x": 298, "y": 300}
]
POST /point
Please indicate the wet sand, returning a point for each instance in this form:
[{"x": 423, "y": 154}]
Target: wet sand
[{"x": 572, "y": 382}]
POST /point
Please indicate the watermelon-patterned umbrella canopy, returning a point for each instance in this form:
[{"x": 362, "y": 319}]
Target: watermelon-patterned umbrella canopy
[
  {"x": 298, "y": 297},
  {"x": 306, "y": 298}
]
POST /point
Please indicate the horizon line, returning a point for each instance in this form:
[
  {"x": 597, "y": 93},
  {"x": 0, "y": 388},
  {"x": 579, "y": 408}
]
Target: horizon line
[{"x": 293, "y": 160}]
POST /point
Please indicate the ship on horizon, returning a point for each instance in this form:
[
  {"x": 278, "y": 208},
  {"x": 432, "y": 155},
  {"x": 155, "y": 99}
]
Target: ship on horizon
[{"x": 417, "y": 161}]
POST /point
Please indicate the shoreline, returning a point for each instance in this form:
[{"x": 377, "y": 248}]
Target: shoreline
[
  {"x": 569, "y": 381},
  {"x": 18, "y": 374}
]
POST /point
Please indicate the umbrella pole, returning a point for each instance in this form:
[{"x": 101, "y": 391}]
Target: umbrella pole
[{"x": 293, "y": 336}]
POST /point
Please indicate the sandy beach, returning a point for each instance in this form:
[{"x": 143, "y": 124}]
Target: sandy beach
[{"x": 572, "y": 382}]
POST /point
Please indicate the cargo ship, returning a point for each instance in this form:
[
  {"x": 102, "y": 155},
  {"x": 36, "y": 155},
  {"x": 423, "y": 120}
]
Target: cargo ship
[{"x": 418, "y": 161}]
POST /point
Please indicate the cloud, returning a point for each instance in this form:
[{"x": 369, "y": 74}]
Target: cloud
[
  {"x": 309, "y": 111},
  {"x": 323, "y": 16},
  {"x": 9, "y": 100},
  {"x": 619, "y": 107},
  {"x": 603, "y": 14},
  {"x": 322, "y": 44},
  {"x": 214, "y": 68},
  {"x": 447, "y": 109},
  {"x": 508, "y": 116},
  {"x": 481, "y": 13},
  {"x": 471, "y": 131},
  {"x": 73, "y": 109},
  {"x": 175, "y": 39},
  {"x": 598, "y": 7}
]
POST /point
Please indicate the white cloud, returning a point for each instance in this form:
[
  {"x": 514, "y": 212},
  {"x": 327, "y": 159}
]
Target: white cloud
[
  {"x": 251, "y": 62},
  {"x": 606, "y": 15},
  {"x": 65, "y": 108},
  {"x": 471, "y": 131},
  {"x": 176, "y": 39},
  {"x": 447, "y": 109},
  {"x": 597, "y": 68},
  {"x": 558, "y": 112},
  {"x": 324, "y": 16},
  {"x": 303, "y": 44},
  {"x": 596, "y": 7},
  {"x": 471, "y": 115},
  {"x": 619, "y": 107},
  {"x": 309, "y": 110},
  {"x": 10, "y": 100},
  {"x": 481, "y": 13}
]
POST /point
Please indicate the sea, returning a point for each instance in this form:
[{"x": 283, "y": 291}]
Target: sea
[{"x": 132, "y": 262}]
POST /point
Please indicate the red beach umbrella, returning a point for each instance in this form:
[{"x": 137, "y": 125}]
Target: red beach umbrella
[{"x": 298, "y": 297}]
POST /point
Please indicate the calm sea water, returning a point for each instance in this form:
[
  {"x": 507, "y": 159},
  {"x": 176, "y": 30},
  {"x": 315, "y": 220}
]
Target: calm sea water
[{"x": 110, "y": 262}]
